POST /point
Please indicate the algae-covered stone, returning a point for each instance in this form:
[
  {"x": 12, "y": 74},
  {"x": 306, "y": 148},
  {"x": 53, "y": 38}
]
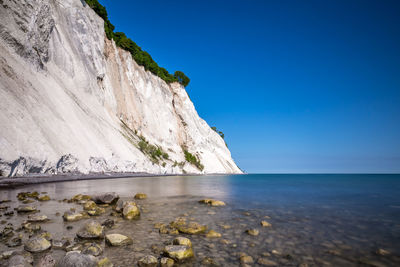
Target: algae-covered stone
[
  {"x": 71, "y": 216},
  {"x": 253, "y": 232},
  {"x": 118, "y": 240},
  {"x": 89, "y": 205},
  {"x": 148, "y": 261},
  {"x": 76, "y": 259},
  {"x": 179, "y": 252},
  {"x": 91, "y": 230},
  {"x": 265, "y": 224},
  {"x": 92, "y": 249},
  {"x": 140, "y": 196},
  {"x": 245, "y": 259},
  {"x": 192, "y": 228},
  {"x": 166, "y": 262},
  {"x": 106, "y": 198},
  {"x": 166, "y": 229},
  {"x": 80, "y": 197},
  {"x": 43, "y": 198},
  {"x": 26, "y": 208},
  {"x": 37, "y": 244},
  {"x": 96, "y": 211},
  {"x": 130, "y": 210},
  {"x": 37, "y": 218},
  {"x": 212, "y": 202},
  {"x": 213, "y": 234},
  {"x": 182, "y": 241},
  {"x": 105, "y": 262}
]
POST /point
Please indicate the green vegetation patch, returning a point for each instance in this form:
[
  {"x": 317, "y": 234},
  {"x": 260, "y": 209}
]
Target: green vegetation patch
[
  {"x": 192, "y": 159},
  {"x": 141, "y": 57},
  {"x": 155, "y": 153}
]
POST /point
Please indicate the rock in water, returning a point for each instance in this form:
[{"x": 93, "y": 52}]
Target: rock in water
[
  {"x": 37, "y": 244},
  {"x": 253, "y": 232},
  {"x": 212, "y": 202},
  {"x": 70, "y": 216},
  {"x": 166, "y": 262},
  {"x": 118, "y": 240},
  {"x": 47, "y": 261},
  {"x": 105, "y": 262},
  {"x": 76, "y": 259},
  {"x": 182, "y": 241},
  {"x": 92, "y": 249},
  {"x": 91, "y": 230},
  {"x": 37, "y": 218},
  {"x": 213, "y": 234},
  {"x": 130, "y": 210},
  {"x": 106, "y": 198},
  {"x": 26, "y": 208},
  {"x": 179, "y": 252},
  {"x": 140, "y": 196},
  {"x": 148, "y": 261},
  {"x": 265, "y": 224},
  {"x": 192, "y": 228}
]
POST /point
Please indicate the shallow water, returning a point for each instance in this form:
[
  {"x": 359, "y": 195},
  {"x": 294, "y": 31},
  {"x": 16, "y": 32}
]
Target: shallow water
[{"x": 318, "y": 220}]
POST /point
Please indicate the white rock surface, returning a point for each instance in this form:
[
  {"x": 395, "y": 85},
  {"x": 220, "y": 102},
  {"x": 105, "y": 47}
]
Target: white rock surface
[{"x": 72, "y": 102}]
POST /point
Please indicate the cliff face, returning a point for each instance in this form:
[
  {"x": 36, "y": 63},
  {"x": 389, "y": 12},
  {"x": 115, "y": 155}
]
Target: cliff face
[{"x": 71, "y": 101}]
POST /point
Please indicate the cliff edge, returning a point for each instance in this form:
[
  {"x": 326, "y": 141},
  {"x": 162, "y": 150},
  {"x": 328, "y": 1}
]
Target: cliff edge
[{"x": 71, "y": 101}]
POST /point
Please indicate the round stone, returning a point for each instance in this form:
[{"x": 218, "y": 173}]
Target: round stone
[
  {"x": 148, "y": 261},
  {"x": 37, "y": 244},
  {"x": 179, "y": 252},
  {"x": 118, "y": 240}
]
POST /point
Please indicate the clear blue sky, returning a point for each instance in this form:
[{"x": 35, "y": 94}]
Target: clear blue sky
[{"x": 296, "y": 86}]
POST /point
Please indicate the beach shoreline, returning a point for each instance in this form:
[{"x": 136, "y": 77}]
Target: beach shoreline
[{"x": 13, "y": 182}]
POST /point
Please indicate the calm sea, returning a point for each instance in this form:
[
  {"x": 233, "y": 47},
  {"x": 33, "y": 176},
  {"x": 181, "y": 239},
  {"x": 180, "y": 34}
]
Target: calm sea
[{"x": 324, "y": 219}]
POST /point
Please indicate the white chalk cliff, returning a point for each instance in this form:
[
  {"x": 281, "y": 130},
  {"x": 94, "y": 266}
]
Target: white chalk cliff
[{"x": 71, "y": 101}]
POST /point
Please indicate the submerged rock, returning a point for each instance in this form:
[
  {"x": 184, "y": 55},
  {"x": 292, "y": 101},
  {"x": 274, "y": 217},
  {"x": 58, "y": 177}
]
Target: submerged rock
[
  {"x": 96, "y": 211},
  {"x": 106, "y": 198},
  {"x": 15, "y": 242},
  {"x": 213, "y": 234},
  {"x": 37, "y": 244},
  {"x": 43, "y": 198},
  {"x": 76, "y": 259},
  {"x": 118, "y": 240},
  {"x": 91, "y": 230},
  {"x": 37, "y": 218},
  {"x": 25, "y": 208},
  {"x": 92, "y": 249},
  {"x": 253, "y": 232},
  {"x": 140, "y": 196},
  {"x": 105, "y": 262},
  {"x": 179, "y": 252},
  {"x": 191, "y": 228},
  {"x": 80, "y": 197},
  {"x": 166, "y": 262},
  {"x": 18, "y": 260},
  {"x": 130, "y": 210},
  {"x": 265, "y": 224},
  {"x": 246, "y": 259},
  {"x": 148, "y": 261},
  {"x": 212, "y": 202},
  {"x": 47, "y": 261},
  {"x": 71, "y": 216},
  {"x": 182, "y": 241},
  {"x": 89, "y": 205}
]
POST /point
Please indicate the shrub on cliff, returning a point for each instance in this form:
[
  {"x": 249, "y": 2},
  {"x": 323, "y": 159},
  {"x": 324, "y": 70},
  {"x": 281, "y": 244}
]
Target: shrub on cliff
[{"x": 141, "y": 57}]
